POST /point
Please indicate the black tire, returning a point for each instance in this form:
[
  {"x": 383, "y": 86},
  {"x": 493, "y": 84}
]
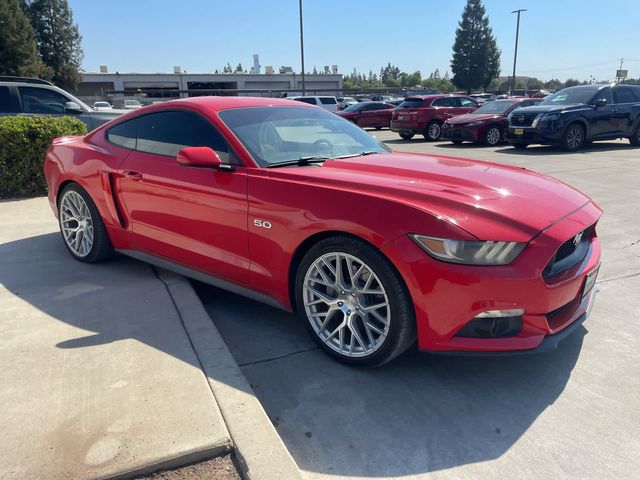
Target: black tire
[
  {"x": 101, "y": 248},
  {"x": 401, "y": 332},
  {"x": 456, "y": 142},
  {"x": 635, "y": 138},
  {"x": 378, "y": 128},
  {"x": 433, "y": 131},
  {"x": 406, "y": 135},
  {"x": 573, "y": 138},
  {"x": 493, "y": 136},
  {"x": 520, "y": 146}
]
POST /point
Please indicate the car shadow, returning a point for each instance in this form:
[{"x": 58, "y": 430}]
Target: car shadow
[
  {"x": 557, "y": 150},
  {"x": 420, "y": 413}
]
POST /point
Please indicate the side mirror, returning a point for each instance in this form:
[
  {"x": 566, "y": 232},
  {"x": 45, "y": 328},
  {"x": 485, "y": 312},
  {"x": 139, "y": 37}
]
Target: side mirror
[
  {"x": 73, "y": 108},
  {"x": 601, "y": 102},
  {"x": 200, "y": 157}
]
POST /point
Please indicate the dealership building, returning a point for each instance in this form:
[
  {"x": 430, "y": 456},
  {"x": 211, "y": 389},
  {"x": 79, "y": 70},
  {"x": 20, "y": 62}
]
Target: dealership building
[{"x": 105, "y": 85}]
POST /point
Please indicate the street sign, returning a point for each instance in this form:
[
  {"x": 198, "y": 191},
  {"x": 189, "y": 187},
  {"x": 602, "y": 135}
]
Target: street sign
[{"x": 622, "y": 73}]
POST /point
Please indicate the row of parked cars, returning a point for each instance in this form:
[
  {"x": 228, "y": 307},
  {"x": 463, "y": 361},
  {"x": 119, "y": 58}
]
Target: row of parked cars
[{"x": 571, "y": 117}]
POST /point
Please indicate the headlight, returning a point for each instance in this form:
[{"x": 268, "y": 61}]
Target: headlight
[
  {"x": 469, "y": 252},
  {"x": 475, "y": 124},
  {"x": 545, "y": 117}
]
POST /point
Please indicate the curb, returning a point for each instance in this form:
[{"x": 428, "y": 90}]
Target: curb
[{"x": 259, "y": 449}]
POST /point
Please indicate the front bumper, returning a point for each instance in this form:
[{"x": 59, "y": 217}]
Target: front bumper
[
  {"x": 460, "y": 132},
  {"x": 447, "y": 296},
  {"x": 529, "y": 135}
]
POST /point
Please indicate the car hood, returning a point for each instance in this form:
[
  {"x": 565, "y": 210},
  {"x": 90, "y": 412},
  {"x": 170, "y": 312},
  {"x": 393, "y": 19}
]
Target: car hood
[
  {"x": 470, "y": 117},
  {"x": 550, "y": 108},
  {"x": 489, "y": 201}
]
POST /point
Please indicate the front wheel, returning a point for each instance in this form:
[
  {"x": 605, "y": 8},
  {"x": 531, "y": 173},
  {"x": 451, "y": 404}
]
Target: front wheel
[
  {"x": 406, "y": 135},
  {"x": 353, "y": 302},
  {"x": 81, "y": 226},
  {"x": 573, "y": 137},
  {"x": 493, "y": 136},
  {"x": 433, "y": 131}
]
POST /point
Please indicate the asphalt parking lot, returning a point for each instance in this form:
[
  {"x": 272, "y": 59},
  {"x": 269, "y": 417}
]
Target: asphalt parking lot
[{"x": 570, "y": 414}]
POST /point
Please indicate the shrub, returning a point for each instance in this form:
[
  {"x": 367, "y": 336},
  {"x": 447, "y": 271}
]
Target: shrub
[{"x": 23, "y": 144}]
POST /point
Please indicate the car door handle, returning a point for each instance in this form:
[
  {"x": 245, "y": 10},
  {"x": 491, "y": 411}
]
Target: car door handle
[{"x": 131, "y": 175}]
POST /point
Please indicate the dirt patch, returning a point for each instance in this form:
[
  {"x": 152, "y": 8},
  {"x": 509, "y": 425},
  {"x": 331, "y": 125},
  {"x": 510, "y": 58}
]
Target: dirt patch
[{"x": 221, "y": 468}]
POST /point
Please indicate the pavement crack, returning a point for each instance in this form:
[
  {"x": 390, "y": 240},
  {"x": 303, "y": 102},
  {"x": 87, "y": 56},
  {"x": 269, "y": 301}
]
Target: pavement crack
[
  {"x": 265, "y": 360},
  {"x": 621, "y": 277}
]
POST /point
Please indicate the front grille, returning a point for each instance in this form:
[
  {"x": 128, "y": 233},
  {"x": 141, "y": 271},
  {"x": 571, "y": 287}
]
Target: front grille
[
  {"x": 522, "y": 119},
  {"x": 570, "y": 253}
]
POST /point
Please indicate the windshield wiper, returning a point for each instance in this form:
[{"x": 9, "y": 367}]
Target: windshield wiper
[
  {"x": 361, "y": 154},
  {"x": 302, "y": 161}
]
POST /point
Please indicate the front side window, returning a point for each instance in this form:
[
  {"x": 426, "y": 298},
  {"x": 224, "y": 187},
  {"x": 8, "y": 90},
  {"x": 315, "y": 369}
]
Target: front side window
[
  {"x": 281, "y": 134},
  {"x": 7, "y": 102},
  {"x": 606, "y": 94},
  {"x": 42, "y": 100},
  {"x": 327, "y": 100},
  {"x": 445, "y": 102},
  {"x": 467, "y": 102},
  {"x": 124, "y": 134},
  {"x": 166, "y": 133}
]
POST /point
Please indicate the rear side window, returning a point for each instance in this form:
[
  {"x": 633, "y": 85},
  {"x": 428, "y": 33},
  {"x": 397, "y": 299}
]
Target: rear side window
[
  {"x": 327, "y": 100},
  {"x": 125, "y": 134},
  {"x": 166, "y": 133},
  {"x": 309, "y": 100},
  {"x": 624, "y": 95},
  {"x": 42, "y": 100},
  {"x": 466, "y": 102},
  {"x": 412, "y": 103},
  {"x": 445, "y": 102},
  {"x": 8, "y": 103}
]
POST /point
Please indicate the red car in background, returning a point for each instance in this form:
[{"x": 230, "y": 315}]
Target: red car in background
[
  {"x": 487, "y": 125},
  {"x": 425, "y": 114},
  {"x": 368, "y": 114},
  {"x": 291, "y": 205}
]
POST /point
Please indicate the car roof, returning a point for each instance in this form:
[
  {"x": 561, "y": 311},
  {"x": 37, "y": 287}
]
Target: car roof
[
  {"x": 438, "y": 95},
  {"x": 224, "y": 103}
]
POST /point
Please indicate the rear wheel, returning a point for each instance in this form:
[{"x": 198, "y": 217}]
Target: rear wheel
[
  {"x": 493, "y": 136},
  {"x": 353, "y": 302},
  {"x": 635, "y": 138},
  {"x": 81, "y": 226},
  {"x": 573, "y": 137},
  {"x": 433, "y": 131},
  {"x": 406, "y": 135}
]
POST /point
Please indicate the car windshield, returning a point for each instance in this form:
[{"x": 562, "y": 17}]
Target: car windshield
[
  {"x": 102, "y": 104},
  {"x": 281, "y": 134},
  {"x": 571, "y": 96},
  {"x": 495, "y": 108},
  {"x": 354, "y": 108},
  {"x": 132, "y": 102}
]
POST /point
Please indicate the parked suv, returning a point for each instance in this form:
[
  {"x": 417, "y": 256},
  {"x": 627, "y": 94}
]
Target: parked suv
[
  {"x": 425, "y": 114},
  {"x": 578, "y": 115},
  {"x": 328, "y": 103},
  {"x": 32, "y": 96}
]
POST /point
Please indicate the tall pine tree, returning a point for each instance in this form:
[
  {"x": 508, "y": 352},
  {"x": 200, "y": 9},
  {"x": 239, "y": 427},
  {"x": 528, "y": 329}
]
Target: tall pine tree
[
  {"x": 18, "y": 49},
  {"x": 58, "y": 39},
  {"x": 476, "y": 58}
]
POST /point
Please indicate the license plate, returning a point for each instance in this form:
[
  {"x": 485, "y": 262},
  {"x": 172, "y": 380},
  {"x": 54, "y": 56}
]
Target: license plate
[
  {"x": 590, "y": 282},
  {"x": 519, "y": 131},
  {"x": 400, "y": 117}
]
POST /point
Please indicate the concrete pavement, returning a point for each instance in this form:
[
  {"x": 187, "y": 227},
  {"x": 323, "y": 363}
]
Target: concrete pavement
[
  {"x": 98, "y": 375},
  {"x": 571, "y": 414}
]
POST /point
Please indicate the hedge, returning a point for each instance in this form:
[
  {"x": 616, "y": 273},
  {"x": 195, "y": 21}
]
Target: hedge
[{"x": 23, "y": 144}]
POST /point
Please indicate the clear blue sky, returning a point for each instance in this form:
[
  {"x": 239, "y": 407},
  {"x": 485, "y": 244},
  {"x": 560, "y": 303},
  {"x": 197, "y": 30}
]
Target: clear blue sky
[{"x": 559, "y": 38}]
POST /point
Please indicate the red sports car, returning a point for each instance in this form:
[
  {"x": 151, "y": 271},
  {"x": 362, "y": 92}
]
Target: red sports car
[
  {"x": 369, "y": 114},
  {"x": 487, "y": 125},
  {"x": 294, "y": 206}
]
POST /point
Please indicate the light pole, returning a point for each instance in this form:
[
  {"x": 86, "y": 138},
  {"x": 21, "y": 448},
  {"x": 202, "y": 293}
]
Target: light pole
[
  {"x": 515, "y": 53},
  {"x": 301, "y": 46}
]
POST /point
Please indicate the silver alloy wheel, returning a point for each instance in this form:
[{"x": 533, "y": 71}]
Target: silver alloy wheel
[
  {"x": 346, "y": 304},
  {"x": 574, "y": 138},
  {"x": 493, "y": 136},
  {"x": 76, "y": 223},
  {"x": 434, "y": 131}
]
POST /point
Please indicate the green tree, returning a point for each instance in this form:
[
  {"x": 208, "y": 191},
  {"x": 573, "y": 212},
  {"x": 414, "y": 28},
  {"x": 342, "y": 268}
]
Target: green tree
[
  {"x": 554, "y": 85},
  {"x": 18, "y": 49},
  {"x": 227, "y": 68},
  {"x": 476, "y": 58},
  {"x": 239, "y": 68},
  {"x": 571, "y": 82},
  {"x": 59, "y": 40}
]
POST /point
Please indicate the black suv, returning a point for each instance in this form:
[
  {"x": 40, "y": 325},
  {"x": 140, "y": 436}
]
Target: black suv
[
  {"x": 32, "y": 96},
  {"x": 578, "y": 115}
]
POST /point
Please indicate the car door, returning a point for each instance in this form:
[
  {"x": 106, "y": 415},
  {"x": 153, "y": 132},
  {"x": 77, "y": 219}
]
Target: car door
[
  {"x": 625, "y": 109},
  {"x": 368, "y": 115},
  {"x": 196, "y": 217},
  {"x": 602, "y": 120},
  {"x": 447, "y": 107}
]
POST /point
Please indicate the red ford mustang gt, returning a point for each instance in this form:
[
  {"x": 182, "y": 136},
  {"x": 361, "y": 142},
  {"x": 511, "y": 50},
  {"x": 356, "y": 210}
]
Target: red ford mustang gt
[{"x": 291, "y": 205}]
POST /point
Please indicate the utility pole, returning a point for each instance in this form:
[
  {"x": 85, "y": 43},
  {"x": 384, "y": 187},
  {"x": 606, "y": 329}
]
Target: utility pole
[
  {"x": 515, "y": 53},
  {"x": 301, "y": 46}
]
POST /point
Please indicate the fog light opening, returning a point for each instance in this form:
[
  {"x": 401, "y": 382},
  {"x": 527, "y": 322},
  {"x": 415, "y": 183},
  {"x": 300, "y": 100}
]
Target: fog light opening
[{"x": 493, "y": 324}]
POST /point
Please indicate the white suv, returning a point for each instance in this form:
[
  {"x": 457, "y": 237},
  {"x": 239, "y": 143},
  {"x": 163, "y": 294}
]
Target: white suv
[{"x": 328, "y": 103}]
